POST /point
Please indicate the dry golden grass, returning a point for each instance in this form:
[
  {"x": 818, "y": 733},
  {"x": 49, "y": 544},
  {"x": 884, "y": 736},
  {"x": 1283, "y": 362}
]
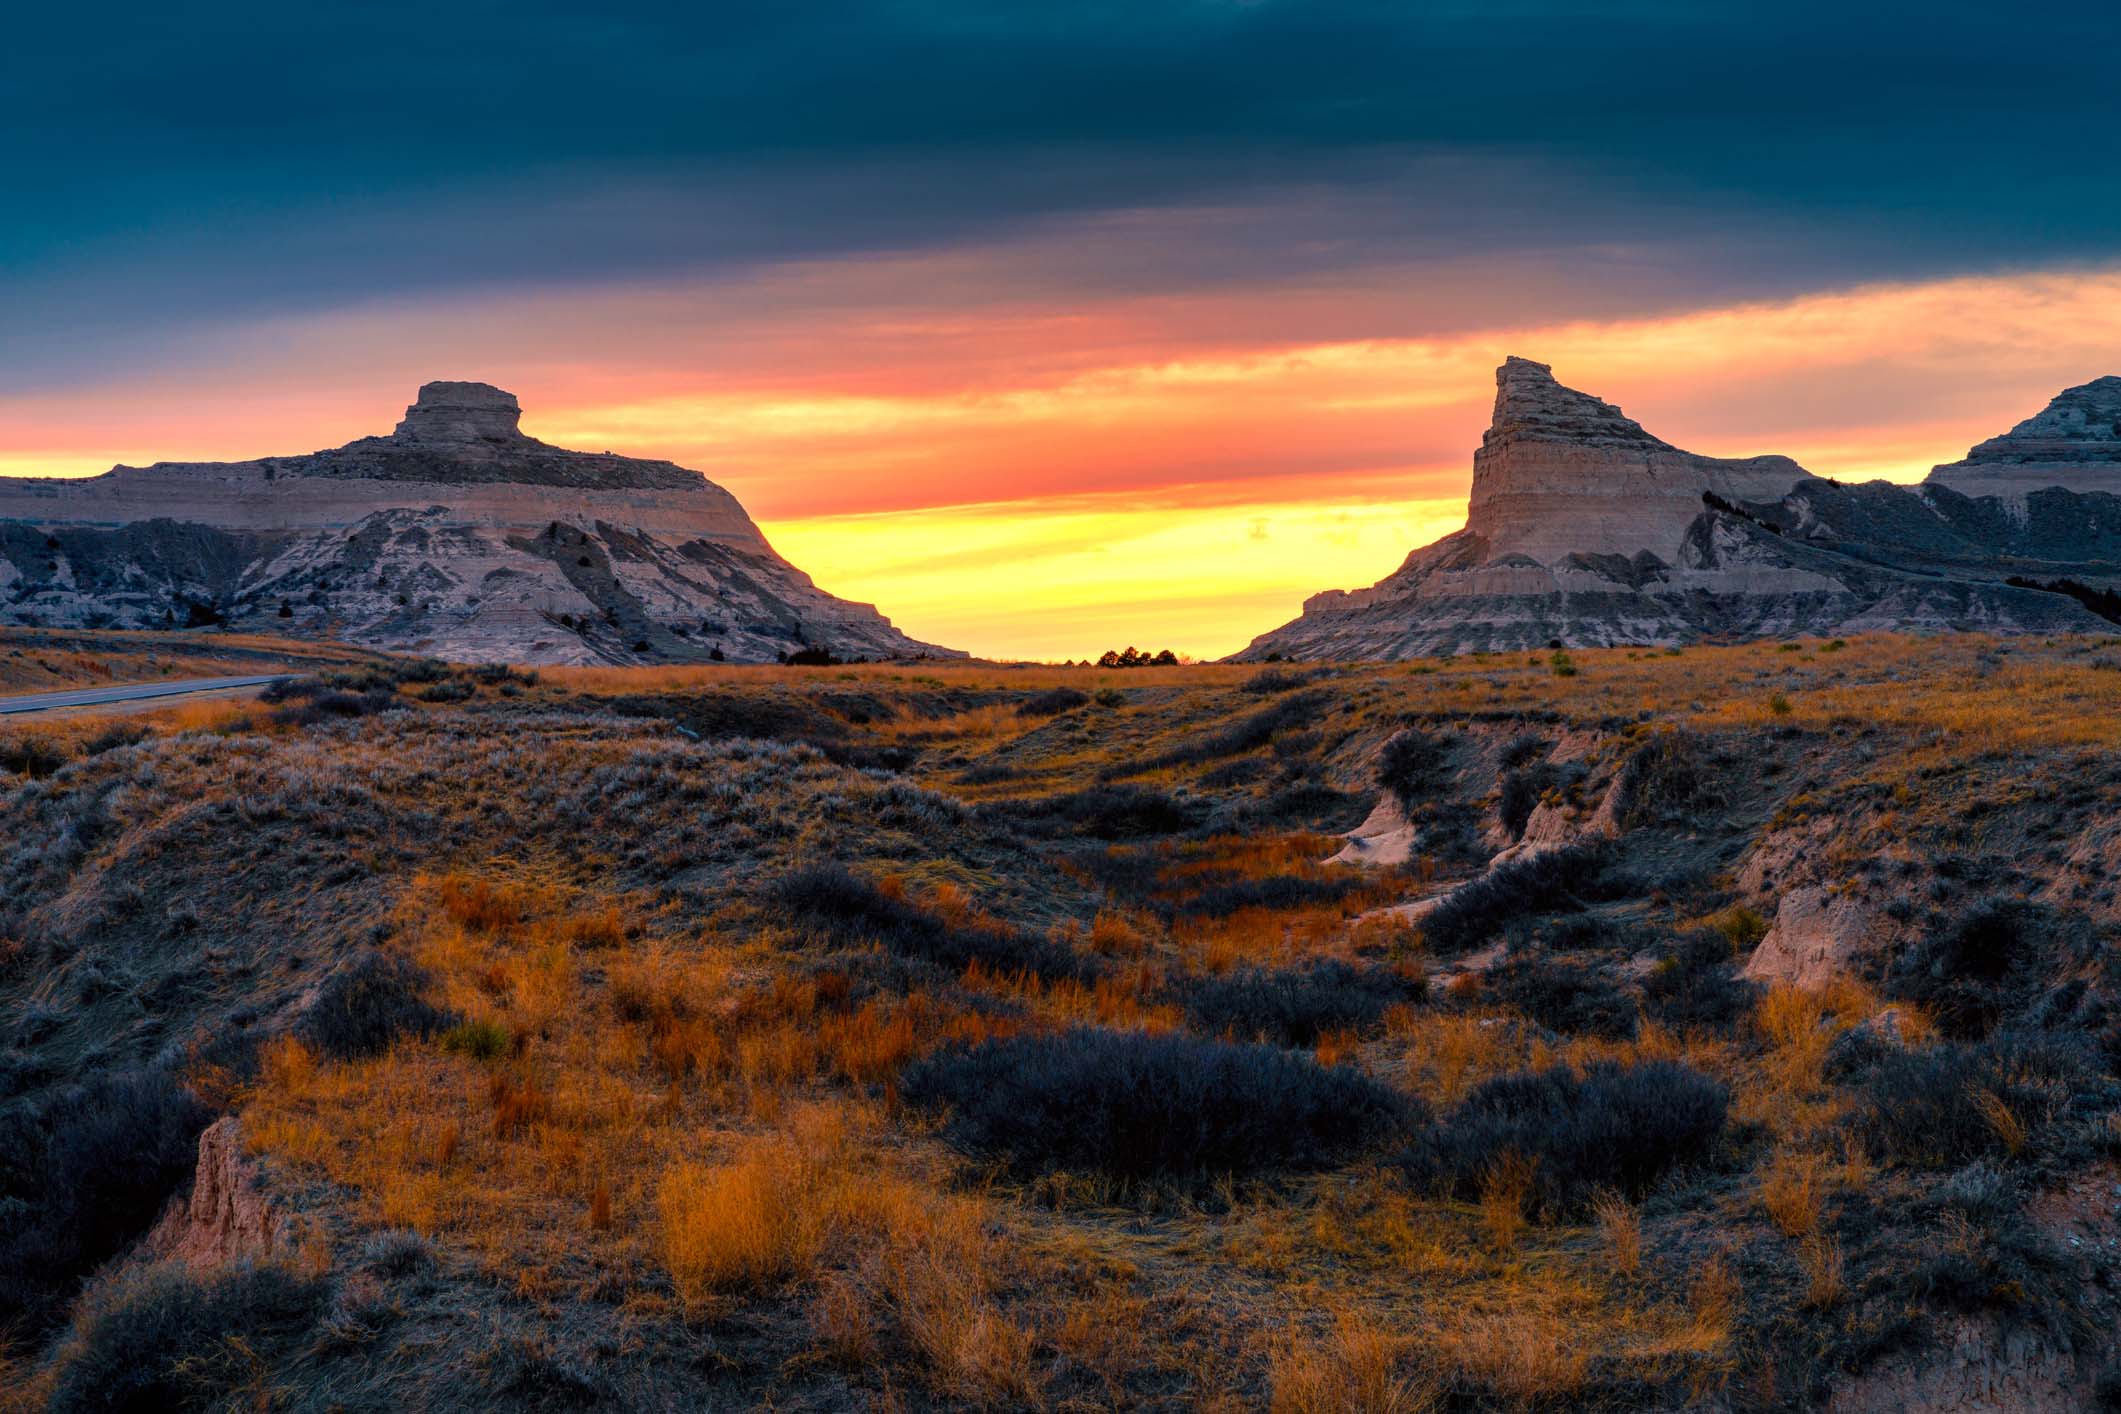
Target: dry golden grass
[
  {"x": 1792, "y": 1189},
  {"x": 1621, "y": 1226},
  {"x": 1826, "y": 1283},
  {"x": 1354, "y": 1369},
  {"x": 1505, "y": 1189}
]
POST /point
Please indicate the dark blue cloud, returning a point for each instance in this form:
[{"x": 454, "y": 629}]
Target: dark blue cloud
[{"x": 167, "y": 161}]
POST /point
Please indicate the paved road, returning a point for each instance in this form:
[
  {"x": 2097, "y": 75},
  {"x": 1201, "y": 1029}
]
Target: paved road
[{"x": 127, "y": 692}]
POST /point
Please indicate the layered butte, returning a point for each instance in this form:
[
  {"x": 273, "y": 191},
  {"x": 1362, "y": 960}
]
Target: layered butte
[
  {"x": 456, "y": 535},
  {"x": 2073, "y": 444},
  {"x": 1583, "y": 529}
]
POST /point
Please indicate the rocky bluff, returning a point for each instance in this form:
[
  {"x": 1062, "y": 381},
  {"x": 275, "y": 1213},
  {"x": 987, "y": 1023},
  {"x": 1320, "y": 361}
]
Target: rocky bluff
[
  {"x": 456, "y": 535},
  {"x": 1585, "y": 529}
]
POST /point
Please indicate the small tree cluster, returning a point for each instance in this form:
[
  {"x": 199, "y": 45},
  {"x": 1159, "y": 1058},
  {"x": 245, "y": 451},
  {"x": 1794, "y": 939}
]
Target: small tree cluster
[{"x": 1135, "y": 658}]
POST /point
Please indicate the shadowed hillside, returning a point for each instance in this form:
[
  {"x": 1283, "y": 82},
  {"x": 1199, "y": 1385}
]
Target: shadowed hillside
[{"x": 1728, "y": 1028}]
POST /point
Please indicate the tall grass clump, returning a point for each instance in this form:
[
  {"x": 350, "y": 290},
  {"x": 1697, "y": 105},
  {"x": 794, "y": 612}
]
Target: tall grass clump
[{"x": 1146, "y": 1108}]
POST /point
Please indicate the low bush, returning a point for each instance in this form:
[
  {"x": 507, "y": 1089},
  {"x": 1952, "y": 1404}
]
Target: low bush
[
  {"x": 1667, "y": 775},
  {"x": 1411, "y": 766},
  {"x": 1523, "y": 750},
  {"x": 448, "y": 690},
  {"x": 1547, "y": 882},
  {"x": 829, "y": 901},
  {"x": 1052, "y": 702},
  {"x": 1247, "y": 733},
  {"x": 1561, "y": 996},
  {"x": 1618, "y": 1127},
  {"x": 1697, "y": 985},
  {"x": 365, "y": 1005},
  {"x": 337, "y": 706},
  {"x": 168, "y": 1341},
  {"x": 1952, "y": 1104},
  {"x": 1268, "y": 681},
  {"x": 1962, "y": 975},
  {"x": 1280, "y": 892},
  {"x": 1101, "y": 812},
  {"x": 1295, "y": 1006},
  {"x": 81, "y": 1177},
  {"x": 1147, "y": 1108}
]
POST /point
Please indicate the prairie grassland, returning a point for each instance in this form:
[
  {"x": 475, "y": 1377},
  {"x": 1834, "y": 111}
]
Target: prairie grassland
[
  {"x": 53, "y": 660},
  {"x": 837, "y": 1038}
]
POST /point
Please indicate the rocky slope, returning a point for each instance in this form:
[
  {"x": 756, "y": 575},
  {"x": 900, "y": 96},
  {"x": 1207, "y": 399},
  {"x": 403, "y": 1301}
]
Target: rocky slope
[
  {"x": 456, "y": 535},
  {"x": 1583, "y": 529}
]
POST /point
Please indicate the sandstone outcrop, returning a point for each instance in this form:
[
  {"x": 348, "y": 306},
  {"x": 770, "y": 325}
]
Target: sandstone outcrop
[
  {"x": 227, "y": 1216},
  {"x": 456, "y": 535},
  {"x": 1584, "y": 529},
  {"x": 2074, "y": 443}
]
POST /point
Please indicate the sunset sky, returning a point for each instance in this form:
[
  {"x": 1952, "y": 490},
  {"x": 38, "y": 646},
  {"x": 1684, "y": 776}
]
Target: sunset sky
[{"x": 1052, "y": 328}]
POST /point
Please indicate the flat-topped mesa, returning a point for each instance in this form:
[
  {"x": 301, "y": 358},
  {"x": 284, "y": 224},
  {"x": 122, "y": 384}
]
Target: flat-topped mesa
[
  {"x": 2073, "y": 443},
  {"x": 453, "y": 414},
  {"x": 1562, "y": 473}
]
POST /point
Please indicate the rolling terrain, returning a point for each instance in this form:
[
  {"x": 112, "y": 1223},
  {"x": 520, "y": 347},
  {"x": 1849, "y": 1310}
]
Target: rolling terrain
[{"x": 1722, "y": 1028}]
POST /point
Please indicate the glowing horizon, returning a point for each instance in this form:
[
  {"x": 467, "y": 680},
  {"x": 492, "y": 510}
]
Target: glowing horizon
[{"x": 1037, "y": 481}]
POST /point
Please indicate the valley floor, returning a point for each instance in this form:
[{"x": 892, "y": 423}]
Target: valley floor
[{"x": 1727, "y": 1028}]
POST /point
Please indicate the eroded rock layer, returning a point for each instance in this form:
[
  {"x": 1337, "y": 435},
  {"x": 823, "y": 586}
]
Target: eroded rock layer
[
  {"x": 1585, "y": 530},
  {"x": 456, "y": 535}
]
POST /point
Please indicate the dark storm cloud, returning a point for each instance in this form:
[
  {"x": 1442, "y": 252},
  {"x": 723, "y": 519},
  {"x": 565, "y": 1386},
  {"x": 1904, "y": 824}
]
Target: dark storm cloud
[{"x": 171, "y": 161}]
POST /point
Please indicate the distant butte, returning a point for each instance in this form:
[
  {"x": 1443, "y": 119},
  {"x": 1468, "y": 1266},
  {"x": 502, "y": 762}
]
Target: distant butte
[
  {"x": 1583, "y": 529},
  {"x": 456, "y": 535}
]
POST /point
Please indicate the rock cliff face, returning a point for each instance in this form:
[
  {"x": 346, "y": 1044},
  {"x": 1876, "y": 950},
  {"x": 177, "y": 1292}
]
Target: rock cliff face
[
  {"x": 456, "y": 535},
  {"x": 1586, "y": 530},
  {"x": 2074, "y": 444}
]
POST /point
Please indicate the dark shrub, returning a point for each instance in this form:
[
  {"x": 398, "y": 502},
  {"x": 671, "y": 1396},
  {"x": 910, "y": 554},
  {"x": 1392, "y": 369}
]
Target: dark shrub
[
  {"x": 1523, "y": 751},
  {"x": 1247, "y": 733},
  {"x": 30, "y": 754},
  {"x": 1411, "y": 765},
  {"x": 114, "y": 736},
  {"x": 1697, "y": 985},
  {"x": 1221, "y": 898},
  {"x": 170, "y": 1342},
  {"x": 1961, "y": 976},
  {"x": 291, "y": 690},
  {"x": 337, "y": 706},
  {"x": 1561, "y": 996},
  {"x": 827, "y": 900},
  {"x": 987, "y": 773},
  {"x": 1522, "y": 790},
  {"x": 1294, "y": 1006},
  {"x": 448, "y": 690},
  {"x": 1936, "y": 1107},
  {"x": 1143, "y": 1107},
  {"x": 365, "y": 1005},
  {"x": 1101, "y": 812},
  {"x": 82, "y": 1176},
  {"x": 1272, "y": 680},
  {"x": 1052, "y": 702},
  {"x": 1619, "y": 1127},
  {"x": 1547, "y": 882},
  {"x": 1665, "y": 776}
]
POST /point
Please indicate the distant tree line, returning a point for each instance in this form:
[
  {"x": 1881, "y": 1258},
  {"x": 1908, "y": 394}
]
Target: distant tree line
[
  {"x": 1135, "y": 658},
  {"x": 2103, "y": 602}
]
